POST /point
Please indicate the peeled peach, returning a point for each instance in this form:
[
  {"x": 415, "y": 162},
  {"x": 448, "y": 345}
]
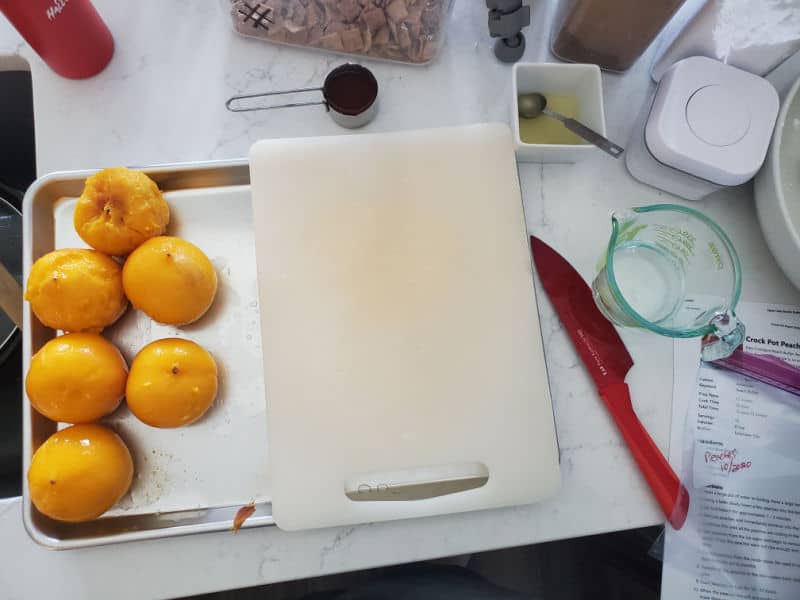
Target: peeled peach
[
  {"x": 79, "y": 473},
  {"x": 119, "y": 209},
  {"x": 76, "y": 378},
  {"x": 170, "y": 279},
  {"x": 75, "y": 289},
  {"x": 172, "y": 382}
]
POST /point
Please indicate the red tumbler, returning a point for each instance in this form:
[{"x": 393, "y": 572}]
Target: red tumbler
[{"x": 69, "y": 35}]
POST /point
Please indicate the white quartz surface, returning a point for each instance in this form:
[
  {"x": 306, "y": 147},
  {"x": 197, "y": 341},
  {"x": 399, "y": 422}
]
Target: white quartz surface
[{"x": 162, "y": 100}]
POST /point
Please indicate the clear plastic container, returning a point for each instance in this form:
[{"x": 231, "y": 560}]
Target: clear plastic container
[
  {"x": 410, "y": 31},
  {"x": 609, "y": 33}
]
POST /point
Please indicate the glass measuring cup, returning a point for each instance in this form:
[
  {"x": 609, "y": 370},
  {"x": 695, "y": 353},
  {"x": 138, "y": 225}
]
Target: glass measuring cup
[{"x": 660, "y": 256}]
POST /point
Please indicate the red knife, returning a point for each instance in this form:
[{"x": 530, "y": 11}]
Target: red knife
[{"x": 607, "y": 360}]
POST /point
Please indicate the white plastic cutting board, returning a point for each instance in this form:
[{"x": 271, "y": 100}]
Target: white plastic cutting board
[{"x": 400, "y": 334}]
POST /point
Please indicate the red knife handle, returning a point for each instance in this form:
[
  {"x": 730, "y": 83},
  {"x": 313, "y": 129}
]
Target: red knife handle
[{"x": 670, "y": 493}]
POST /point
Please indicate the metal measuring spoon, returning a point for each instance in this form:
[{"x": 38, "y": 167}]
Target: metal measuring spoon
[{"x": 532, "y": 105}]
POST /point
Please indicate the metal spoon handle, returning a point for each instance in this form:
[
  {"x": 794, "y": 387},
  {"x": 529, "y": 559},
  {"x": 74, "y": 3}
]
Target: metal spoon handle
[{"x": 590, "y": 135}]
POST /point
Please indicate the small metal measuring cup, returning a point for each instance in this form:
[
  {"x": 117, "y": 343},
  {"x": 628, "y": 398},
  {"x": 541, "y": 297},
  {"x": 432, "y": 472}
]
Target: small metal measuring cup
[{"x": 349, "y": 92}]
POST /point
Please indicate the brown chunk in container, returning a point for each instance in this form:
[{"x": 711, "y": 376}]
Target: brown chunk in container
[{"x": 405, "y": 30}]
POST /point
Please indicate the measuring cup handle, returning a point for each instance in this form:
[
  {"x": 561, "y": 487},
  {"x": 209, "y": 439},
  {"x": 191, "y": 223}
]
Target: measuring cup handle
[{"x": 232, "y": 102}]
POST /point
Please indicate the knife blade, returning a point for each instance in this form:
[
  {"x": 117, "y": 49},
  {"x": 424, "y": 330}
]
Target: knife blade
[{"x": 608, "y": 361}]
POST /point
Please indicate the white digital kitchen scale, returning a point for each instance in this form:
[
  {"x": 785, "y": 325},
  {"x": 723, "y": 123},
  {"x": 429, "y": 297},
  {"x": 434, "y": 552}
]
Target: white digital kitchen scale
[{"x": 706, "y": 126}]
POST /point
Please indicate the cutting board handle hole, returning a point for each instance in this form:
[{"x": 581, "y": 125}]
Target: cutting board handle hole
[{"x": 416, "y": 483}]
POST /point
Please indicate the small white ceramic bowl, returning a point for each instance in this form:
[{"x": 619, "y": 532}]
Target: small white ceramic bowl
[
  {"x": 777, "y": 188},
  {"x": 555, "y": 78}
]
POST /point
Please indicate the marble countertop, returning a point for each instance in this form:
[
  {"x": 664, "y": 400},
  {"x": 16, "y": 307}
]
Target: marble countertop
[{"x": 162, "y": 100}]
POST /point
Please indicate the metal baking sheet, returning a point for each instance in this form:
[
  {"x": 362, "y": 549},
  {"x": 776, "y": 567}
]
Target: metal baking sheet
[{"x": 192, "y": 479}]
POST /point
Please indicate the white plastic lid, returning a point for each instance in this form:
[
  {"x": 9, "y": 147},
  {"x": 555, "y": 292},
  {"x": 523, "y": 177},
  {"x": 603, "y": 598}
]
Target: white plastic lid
[{"x": 712, "y": 120}]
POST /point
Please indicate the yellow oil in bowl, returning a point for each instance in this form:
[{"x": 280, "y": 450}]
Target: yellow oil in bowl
[{"x": 547, "y": 130}]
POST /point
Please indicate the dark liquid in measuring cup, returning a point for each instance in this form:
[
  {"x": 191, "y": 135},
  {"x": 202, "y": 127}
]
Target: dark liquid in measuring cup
[{"x": 350, "y": 89}]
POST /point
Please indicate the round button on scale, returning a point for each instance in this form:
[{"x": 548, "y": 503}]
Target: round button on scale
[{"x": 717, "y": 115}]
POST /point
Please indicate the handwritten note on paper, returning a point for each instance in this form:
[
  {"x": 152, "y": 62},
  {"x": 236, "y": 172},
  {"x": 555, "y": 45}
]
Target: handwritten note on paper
[
  {"x": 739, "y": 454},
  {"x": 726, "y": 460}
]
